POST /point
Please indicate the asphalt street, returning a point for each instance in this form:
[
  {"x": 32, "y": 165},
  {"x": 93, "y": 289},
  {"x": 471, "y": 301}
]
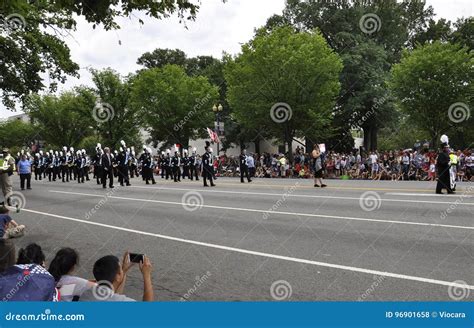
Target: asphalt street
[{"x": 271, "y": 239}]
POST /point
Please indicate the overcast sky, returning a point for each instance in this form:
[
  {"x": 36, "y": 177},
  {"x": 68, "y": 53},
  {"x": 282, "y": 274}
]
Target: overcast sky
[{"x": 219, "y": 27}]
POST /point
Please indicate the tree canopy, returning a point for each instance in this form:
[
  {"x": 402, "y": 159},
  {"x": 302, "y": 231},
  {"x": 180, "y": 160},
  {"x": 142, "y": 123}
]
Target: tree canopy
[{"x": 284, "y": 84}]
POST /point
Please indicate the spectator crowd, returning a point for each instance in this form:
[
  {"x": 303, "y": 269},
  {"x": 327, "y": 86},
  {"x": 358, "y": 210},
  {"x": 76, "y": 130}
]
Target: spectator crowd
[{"x": 408, "y": 164}]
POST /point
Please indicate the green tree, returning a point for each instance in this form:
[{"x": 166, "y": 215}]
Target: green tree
[
  {"x": 284, "y": 66},
  {"x": 114, "y": 118},
  {"x": 174, "y": 106},
  {"x": 16, "y": 134},
  {"x": 434, "y": 86},
  {"x": 31, "y": 37},
  {"x": 62, "y": 120},
  {"x": 345, "y": 24}
]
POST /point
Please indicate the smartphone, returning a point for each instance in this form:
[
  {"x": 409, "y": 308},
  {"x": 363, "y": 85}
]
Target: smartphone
[{"x": 136, "y": 258}]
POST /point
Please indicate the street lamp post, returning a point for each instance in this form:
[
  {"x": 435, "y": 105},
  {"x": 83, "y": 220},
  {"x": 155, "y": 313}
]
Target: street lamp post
[{"x": 217, "y": 109}]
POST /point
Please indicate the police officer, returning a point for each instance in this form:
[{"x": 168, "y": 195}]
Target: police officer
[
  {"x": 207, "y": 167},
  {"x": 7, "y": 167},
  {"x": 244, "y": 169}
]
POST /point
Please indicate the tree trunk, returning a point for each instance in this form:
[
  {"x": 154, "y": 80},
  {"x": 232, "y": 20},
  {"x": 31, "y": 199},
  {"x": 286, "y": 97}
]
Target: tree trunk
[
  {"x": 370, "y": 138},
  {"x": 309, "y": 145},
  {"x": 257, "y": 145},
  {"x": 373, "y": 138}
]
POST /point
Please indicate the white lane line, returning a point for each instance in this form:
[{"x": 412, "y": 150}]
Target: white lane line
[
  {"x": 269, "y": 211},
  {"x": 288, "y": 195},
  {"x": 458, "y": 195},
  {"x": 261, "y": 254}
]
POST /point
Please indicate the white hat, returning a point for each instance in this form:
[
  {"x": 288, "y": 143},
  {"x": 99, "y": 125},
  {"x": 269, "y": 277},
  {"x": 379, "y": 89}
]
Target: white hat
[
  {"x": 122, "y": 143},
  {"x": 71, "y": 149}
]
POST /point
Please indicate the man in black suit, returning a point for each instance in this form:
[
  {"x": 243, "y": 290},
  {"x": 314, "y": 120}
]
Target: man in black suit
[{"x": 107, "y": 169}]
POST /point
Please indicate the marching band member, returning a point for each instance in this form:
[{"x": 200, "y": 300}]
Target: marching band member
[{"x": 207, "y": 165}]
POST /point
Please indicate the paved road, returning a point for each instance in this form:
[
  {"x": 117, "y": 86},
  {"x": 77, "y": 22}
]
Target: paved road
[{"x": 271, "y": 239}]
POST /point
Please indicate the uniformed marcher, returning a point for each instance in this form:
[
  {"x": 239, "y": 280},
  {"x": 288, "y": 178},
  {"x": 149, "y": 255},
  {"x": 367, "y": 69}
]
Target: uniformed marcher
[
  {"x": 122, "y": 162},
  {"x": 207, "y": 166},
  {"x": 443, "y": 167},
  {"x": 244, "y": 169},
  {"x": 169, "y": 165},
  {"x": 147, "y": 166},
  {"x": 163, "y": 164},
  {"x": 133, "y": 164},
  {"x": 7, "y": 167},
  {"x": 64, "y": 164},
  {"x": 56, "y": 166},
  {"x": 79, "y": 165},
  {"x": 194, "y": 165},
  {"x": 176, "y": 164},
  {"x": 185, "y": 162},
  {"x": 72, "y": 169},
  {"x": 37, "y": 164},
  {"x": 98, "y": 163}
]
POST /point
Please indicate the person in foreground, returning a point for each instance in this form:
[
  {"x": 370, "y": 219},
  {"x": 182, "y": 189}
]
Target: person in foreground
[
  {"x": 62, "y": 268},
  {"x": 111, "y": 276},
  {"x": 28, "y": 280}
]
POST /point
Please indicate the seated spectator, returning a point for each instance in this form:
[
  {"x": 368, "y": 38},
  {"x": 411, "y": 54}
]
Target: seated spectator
[
  {"x": 8, "y": 227},
  {"x": 111, "y": 275},
  {"x": 31, "y": 254},
  {"x": 62, "y": 268},
  {"x": 28, "y": 280},
  {"x": 7, "y": 254}
]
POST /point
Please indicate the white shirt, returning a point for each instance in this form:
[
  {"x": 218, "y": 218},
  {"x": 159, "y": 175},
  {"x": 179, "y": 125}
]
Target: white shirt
[{"x": 373, "y": 158}]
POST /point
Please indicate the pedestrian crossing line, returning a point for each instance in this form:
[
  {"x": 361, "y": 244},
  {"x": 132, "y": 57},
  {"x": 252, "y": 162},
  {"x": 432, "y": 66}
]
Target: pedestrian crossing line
[
  {"x": 288, "y": 195},
  {"x": 267, "y": 211},
  {"x": 265, "y": 255}
]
